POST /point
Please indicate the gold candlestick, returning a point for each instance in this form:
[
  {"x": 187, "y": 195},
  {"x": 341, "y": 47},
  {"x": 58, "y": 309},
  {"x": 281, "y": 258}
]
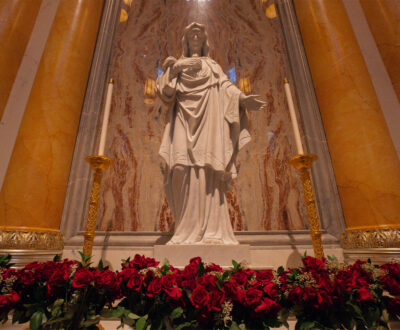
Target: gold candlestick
[
  {"x": 99, "y": 164},
  {"x": 302, "y": 163}
]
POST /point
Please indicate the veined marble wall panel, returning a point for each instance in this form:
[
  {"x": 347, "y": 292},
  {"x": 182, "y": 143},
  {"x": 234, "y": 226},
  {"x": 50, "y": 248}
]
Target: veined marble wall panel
[{"x": 267, "y": 194}]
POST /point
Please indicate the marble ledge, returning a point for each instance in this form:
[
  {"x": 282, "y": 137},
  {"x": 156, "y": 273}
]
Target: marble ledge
[{"x": 268, "y": 239}]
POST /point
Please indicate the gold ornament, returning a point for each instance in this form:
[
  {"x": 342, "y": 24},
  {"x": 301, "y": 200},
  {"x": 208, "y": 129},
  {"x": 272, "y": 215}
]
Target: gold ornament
[
  {"x": 302, "y": 163},
  {"x": 99, "y": 164},
  {"x": 31, "y": 240},
  {"x": 371, "y": 238}
]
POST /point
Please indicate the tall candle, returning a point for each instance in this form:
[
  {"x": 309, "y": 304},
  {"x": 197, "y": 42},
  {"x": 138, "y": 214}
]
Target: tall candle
[
  {"x": 106, "y": 115},
  {"x": 292, "y": 112}
]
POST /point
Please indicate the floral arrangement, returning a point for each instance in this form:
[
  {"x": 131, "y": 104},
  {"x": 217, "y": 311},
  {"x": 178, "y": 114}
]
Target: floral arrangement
[{"x": 65, "y": 294}]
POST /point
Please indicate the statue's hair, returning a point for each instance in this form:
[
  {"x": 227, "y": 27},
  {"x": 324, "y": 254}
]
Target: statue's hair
[{"x": 205, "y": 48}]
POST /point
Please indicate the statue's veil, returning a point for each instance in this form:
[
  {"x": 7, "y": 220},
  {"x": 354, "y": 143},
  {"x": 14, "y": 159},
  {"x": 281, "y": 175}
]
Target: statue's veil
[{"x": 185, "y": 45}]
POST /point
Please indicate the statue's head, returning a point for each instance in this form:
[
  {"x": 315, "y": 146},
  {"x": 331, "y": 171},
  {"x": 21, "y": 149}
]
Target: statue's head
[{"x": 195, "y": 36}]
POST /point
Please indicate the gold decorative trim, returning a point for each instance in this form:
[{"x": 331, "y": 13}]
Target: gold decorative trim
[
  {"x": 31, "y": 240},
  {"x": 371, "y": 238}
]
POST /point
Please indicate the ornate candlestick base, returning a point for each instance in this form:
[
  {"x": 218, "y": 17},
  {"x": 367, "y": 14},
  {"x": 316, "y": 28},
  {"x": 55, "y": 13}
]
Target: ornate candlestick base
[
  {"x": 302, "y": 163},
  {"x": 99, "y": 164}
]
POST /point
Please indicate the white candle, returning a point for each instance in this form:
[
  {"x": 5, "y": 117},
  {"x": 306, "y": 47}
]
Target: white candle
[
  {"x": 105, "y": 118},
  {"x": 292, "y": 112}
]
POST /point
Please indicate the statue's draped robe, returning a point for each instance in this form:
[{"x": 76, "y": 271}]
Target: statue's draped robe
[{"x": 205, "y": 131}]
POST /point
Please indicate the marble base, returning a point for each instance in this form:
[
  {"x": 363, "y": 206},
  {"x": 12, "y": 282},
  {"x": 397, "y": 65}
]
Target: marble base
[
  {"x": 378, "y": 256},
  {"x": 180, "y": 255}
]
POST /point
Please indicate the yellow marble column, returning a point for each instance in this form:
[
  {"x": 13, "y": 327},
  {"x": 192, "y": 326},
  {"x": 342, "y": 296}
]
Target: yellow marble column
[
  {"x": 365, "y": 162},
  {"x": 17, "y": 18},
  {"x": 32, "y": 196},
  {"x": 383, "y": 17}
]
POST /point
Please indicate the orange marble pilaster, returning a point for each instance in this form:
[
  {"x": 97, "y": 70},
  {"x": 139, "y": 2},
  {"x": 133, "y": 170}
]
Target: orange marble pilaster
[
  {"x": 34, "y": 188},
  {"x": 365, "y": 162},
  {"x": 383, "y": 17},
  {"x": 17, "y": 18}
]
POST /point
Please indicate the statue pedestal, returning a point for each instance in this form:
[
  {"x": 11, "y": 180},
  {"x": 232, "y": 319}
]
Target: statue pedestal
[{"x": 180, "y": 255}]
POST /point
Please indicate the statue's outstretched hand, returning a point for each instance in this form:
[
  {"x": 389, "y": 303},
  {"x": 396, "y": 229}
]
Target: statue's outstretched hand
[{"x": 252, "y": 102}]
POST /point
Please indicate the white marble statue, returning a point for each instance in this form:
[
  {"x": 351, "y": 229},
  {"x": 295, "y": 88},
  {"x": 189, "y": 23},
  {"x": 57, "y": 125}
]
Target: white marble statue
[{"x": 206, "y": 129}]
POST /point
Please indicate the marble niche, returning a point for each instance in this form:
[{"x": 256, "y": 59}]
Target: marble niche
[{"x": 250, "y": 48}]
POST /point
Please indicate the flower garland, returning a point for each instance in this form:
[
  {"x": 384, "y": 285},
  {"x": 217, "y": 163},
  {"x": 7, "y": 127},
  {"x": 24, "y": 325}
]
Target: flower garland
[{"x": 321, "y": 295}]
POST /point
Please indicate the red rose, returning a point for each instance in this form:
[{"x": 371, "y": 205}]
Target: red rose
[
  {"x": 394, "y": 306},
  {"x": 208, "y": 281},
  {"x": 313, "y": 264},
  {"x": 27, "y": 277},
  {"x": 200, "y": 297},
  {"x": 390, "y": 284},
  {"x": 296, "y": 295},
  {"x": 174, "y": 293},
  {"x": 240, "y": 277},
  {"x": 168, "y": 282},
  {"x": 149, "y": 276},
  {"x": 393, "y": 269},
  {"x": 105, "y": 279},
  {"x": 266, "y": 306},
  {"x": 363, "y": 295},
  {"x": 264, "y": 276},
  {"x": 83, "y": 277},
  {"x": 310, "y": 295},
  {"x": 324, "y": 300},
  {"x": 213, "y": 268},
  {"x": 217, "y": 297},
  {"x": 195, "y": 261},
  {"x": 8, "y": 301},
  {"x": 190, "y": 271},
  {"x": 272, "y": 290},
  {"x": 232, "y": 290},
  {"x": 154, "y": 287},
  {"x": 56, "y": 280},
  {"x": 135, "y": 282},
  {"x": 252, "y": 296}
]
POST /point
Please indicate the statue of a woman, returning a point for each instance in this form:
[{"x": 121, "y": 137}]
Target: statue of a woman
[{"x": 207, "y": 127}]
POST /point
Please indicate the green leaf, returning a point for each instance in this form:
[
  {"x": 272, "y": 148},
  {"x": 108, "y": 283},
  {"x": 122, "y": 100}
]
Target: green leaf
[
  {"x": 92, "y": 321},
  {"x": 183, "y": 325},
  {"x": 283, "y": 316},
  {"x": 140, "y": 323},
  {"x": 234, "y": 326},
  {"x": 235, "y": 265},
  {"x": 57, "y": 257},
  {"x": 307, "y": 325},
  {"x": 225, "y": 275},
  {"x": 385, "y": 316},
  {"x": 305, "y": 254},
  {"x": 5, "y": 261},
  {"x": 280, "y": 270},
  {"x": 165, "y": 266},
  {"x": 100, "y": 265},
  {"x": 36, "y": 321},
  {"x": 177, "y": 312},
  {"x": 133, "y": 316},
  {"x": 331, "y": 258},
  {"x": 200, "y": 269},
  {"x": 242, "y": 326}
]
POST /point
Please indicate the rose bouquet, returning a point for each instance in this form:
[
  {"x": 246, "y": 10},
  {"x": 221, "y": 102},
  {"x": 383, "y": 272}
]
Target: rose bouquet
[
  {"x": 322, "y": 294},
  {"x": 328, "y": 295}
]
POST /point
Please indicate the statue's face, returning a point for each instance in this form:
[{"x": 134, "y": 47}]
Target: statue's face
[{"x": 195, "y": 39}]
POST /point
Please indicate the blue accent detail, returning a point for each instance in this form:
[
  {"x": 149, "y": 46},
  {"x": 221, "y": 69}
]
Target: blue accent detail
[
  {"x": 232, "y": 74},
  {"x": 159, "y": 72}
]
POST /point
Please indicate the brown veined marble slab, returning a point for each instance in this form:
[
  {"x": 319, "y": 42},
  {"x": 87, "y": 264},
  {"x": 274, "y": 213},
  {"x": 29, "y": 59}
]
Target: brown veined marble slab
[{"x": 267, "y": 194}]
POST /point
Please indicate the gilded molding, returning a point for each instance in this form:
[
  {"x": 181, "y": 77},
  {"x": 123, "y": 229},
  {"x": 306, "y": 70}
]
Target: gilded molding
[
  {"x": 371, "y": 238},
  {"x": 31, "y": 240}
]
